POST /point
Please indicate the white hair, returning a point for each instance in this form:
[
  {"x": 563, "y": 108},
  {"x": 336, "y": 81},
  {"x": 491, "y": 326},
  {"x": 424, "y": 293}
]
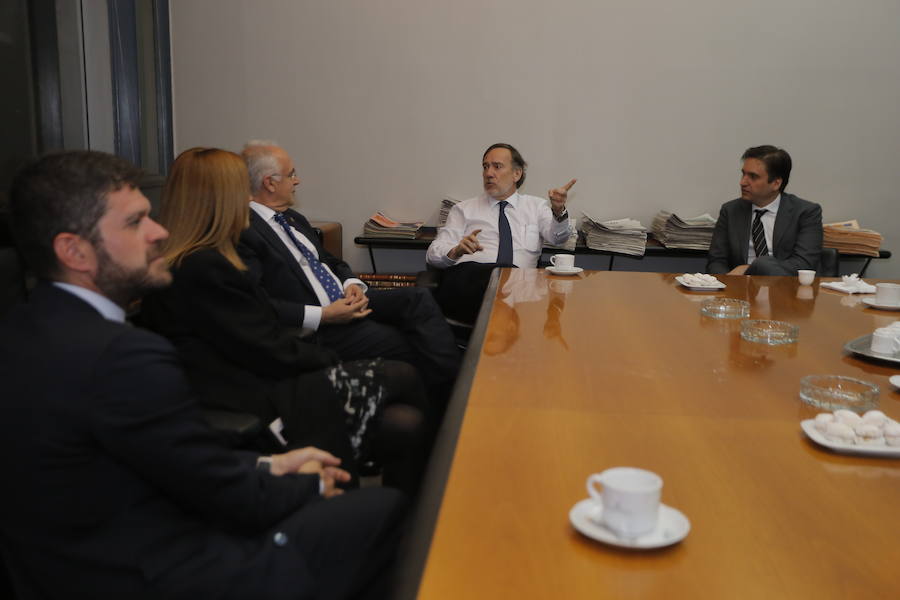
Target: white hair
[{"x": 261, "y": 162}]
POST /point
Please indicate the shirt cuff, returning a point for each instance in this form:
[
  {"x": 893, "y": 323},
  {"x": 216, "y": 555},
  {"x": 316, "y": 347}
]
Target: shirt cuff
[
  {"x": 312, "y": 317},
  {"x": 355, "y": 281}
]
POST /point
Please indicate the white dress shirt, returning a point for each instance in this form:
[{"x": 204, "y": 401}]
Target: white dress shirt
[
  {"x": 312, "y": 315},
  {"x": 531, "y": 222},
  {"x": 768, "y": 223},
  {"x": 108, "y": 309}
]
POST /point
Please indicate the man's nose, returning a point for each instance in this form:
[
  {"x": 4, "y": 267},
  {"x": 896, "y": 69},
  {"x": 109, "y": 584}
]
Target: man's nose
[{"x": 157, "y": 232}]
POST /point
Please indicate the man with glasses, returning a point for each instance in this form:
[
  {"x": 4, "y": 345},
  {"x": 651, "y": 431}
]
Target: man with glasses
[{"x": 314, "y": 290}]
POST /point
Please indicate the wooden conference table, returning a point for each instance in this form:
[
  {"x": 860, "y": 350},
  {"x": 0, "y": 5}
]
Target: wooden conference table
[{"x": 576, "y": 375}]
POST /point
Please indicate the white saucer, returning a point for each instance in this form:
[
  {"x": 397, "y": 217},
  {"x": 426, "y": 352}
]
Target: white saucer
[
  {"x": 700, "y": 288},
  {"x": 672, "y": 528},
  {"x": 895, "y": 381},
  {"x": 872, "y": 303},
  {"x": 561, "y": 271}
]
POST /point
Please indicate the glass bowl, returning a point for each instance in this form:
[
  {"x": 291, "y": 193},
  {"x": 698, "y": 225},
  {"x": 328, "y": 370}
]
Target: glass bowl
[
  {"x": 725, "y": 308},
  {"x": 834, "y": 392},
  {"x": 773, "y": 333}
]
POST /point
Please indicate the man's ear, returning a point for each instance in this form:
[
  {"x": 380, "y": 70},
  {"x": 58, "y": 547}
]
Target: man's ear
[
  {"x": 777, "y": 183},
  {"x": 269, "y": 184},
  {"x": 517, "y": 175},
  {"x": 74, "y": 252}
]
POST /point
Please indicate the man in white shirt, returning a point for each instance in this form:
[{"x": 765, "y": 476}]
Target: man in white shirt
[
  {"x": 766, "y": 231},
  {"x": 314, "y": 290},
  {"x": 498, "y": 228}
]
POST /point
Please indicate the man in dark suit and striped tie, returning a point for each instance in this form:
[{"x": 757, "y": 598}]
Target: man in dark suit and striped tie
[{"x": 766, "y": 231}]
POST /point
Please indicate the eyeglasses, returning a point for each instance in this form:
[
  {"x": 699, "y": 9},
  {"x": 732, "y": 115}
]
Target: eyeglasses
[{"x": 291, "y": 175}]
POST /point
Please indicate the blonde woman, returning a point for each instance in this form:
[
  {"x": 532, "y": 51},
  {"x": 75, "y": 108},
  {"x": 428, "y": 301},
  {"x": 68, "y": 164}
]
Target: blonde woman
[{"x": 238, "y": 356}]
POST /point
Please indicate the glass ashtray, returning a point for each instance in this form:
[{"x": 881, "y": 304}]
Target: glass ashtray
[
  {"x": 773, "y": 333},
  {"x": 834, "y": 392},
  {"x": 725, "y": 308}
]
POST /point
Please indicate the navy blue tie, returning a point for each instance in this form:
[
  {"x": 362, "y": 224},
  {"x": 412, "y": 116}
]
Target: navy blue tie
[
  {"x": 325, "y": 278},
  {"x": 505, "y": 249}
]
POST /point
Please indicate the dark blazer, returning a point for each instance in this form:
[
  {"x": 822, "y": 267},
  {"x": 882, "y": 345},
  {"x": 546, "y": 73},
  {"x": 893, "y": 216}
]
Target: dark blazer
[
  {"x": 236, "y": 352},
  {"x": 119, "y": 489},
  {"x": 273, "y": 267},
  {"x": 797, "y": 237}
]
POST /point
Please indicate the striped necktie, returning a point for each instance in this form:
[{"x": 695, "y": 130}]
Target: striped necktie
[
  {"x": 325, "y": 278},
  {"x": 505, "y": 249},
  {"x": 759, "y": 235}
]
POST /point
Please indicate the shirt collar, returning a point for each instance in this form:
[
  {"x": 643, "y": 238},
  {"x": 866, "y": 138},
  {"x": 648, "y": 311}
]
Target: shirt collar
[
  {"x": 108, "y": 309},
  {"x": 512, "y": 200},
  {"x": 262, "y": 210},
  {"x": 772, "y": 207}
]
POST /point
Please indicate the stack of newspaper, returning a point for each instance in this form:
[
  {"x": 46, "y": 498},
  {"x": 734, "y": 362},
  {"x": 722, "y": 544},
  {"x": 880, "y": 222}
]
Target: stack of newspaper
[
  {"x": 446, "y": 204},
  {"x": 625, "y": 236},
  {"x": 672, "y": 231},
  {"x": 849, "y": 238},
  {"x": 380, "y": 225}
]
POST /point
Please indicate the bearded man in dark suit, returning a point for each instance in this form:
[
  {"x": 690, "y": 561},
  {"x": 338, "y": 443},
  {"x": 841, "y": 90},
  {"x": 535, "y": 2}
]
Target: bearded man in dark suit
[
  {"x": 121, "y": 489},
  {"x": 766, "y": 231}
]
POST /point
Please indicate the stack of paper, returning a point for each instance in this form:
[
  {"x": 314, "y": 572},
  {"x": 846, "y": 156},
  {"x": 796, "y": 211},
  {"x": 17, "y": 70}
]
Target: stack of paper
[
  {"x": 849, "y": 238},
  {"x": 625, "y": 236},
  {"x": 380, "y": 225},
  {"x": 446, "y": 204},
  {"x": 674, "y": 232}
]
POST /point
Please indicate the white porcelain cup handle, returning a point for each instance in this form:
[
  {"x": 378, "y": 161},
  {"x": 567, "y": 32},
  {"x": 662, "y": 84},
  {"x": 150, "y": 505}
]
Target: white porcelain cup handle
[
  {"x": 553, "y": 260},
  {"x": 592, "y": 491}
]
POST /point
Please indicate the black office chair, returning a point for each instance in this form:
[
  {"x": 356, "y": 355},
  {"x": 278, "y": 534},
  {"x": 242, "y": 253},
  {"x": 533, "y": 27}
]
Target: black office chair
[{"x": 829, "y": 263}]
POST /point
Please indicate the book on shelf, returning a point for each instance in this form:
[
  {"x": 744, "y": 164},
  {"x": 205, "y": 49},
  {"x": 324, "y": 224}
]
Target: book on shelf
[
  {"x": 847, "y": 237},
  {"x": 380, "y": 225},
  {"x": 624, "y": 236}
]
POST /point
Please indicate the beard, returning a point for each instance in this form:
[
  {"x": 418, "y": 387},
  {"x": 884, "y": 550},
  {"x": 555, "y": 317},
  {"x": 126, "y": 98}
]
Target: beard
[{"x": 123, "y": 285}]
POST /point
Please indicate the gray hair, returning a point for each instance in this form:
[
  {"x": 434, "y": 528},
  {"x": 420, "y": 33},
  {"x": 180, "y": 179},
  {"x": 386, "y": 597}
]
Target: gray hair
[{"x": 261, "y": 163}]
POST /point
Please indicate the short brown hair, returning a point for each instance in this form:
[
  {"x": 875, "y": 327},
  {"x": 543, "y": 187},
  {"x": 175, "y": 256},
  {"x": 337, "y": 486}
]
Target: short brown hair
[
  {"x": 204, "y": 204},
  {"x": 777, "y": 161},
  {"x": 517, "y": 160},
  {"x": 63, "y": 193}
]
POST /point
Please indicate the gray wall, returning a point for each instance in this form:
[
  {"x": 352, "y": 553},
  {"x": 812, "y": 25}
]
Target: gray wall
[{"x": 389, "y": 104}]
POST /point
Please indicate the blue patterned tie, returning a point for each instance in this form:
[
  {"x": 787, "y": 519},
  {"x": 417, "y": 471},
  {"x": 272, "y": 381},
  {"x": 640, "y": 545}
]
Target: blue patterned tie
[
  {"x": 325, "y": 278},
  {"x": 505, "y": 250}
]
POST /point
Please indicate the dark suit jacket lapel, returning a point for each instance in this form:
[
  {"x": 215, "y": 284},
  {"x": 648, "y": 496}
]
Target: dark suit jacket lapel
[
  {"x": 783, "y": 220},
  {"x": 742, "y": 224},
  {"x": 264, "y": 230}
]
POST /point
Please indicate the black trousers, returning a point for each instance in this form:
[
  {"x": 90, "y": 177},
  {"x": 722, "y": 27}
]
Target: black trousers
[
  {"x": 342, "y": 547},
  {"x": 406, "y": 324},
  {"x": 462, "y": 288}
]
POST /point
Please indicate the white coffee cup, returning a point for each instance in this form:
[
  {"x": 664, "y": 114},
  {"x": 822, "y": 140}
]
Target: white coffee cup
[
  {"x": 630, "y": 499},
  {"x": 806, "y": 276},
  {"x": 887, "y": 293},
  {"x": 885, "y": 341},
  {"x": 565, "y": 262}
]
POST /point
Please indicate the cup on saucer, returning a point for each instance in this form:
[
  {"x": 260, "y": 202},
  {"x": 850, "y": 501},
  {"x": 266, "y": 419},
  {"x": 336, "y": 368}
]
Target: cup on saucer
[
  {"x": 887, "y": 294},
  {"x": 629, "y": 499},
  {"x": 563, "y": 262}
]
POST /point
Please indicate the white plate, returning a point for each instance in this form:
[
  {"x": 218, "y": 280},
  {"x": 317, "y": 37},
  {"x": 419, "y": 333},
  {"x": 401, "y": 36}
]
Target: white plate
[
  {"x": 559, "y": 271},
  {"x": 895, "y": 380},
  {"x": 872, "y": 303},
  {"x": 809, "y": 428},
  {"x": 700, "y": 288},
  {"x": 672, "y": 528}
]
